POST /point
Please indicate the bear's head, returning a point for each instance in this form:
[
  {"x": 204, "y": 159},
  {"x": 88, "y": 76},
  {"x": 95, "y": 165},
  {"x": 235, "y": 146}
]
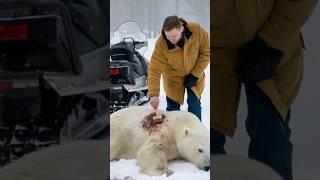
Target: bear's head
[{"x": 193, "y": 141}]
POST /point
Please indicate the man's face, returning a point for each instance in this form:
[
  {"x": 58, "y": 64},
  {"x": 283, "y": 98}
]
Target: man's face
[{"x": 174, "y": 35}]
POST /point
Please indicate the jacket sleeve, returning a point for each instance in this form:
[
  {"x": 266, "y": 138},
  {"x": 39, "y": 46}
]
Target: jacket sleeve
[
  {"x": 204, "y": 54},
  {"x": 285, "y": 22},
  {"x": 155, "y": 69}
]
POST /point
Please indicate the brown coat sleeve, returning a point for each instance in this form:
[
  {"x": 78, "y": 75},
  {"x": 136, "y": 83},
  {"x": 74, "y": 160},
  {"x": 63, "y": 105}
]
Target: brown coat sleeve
[
  {"x": 155, "y": 69},
  {"x": 204, "y": 54},
  {"x": 286, "y": 20}
]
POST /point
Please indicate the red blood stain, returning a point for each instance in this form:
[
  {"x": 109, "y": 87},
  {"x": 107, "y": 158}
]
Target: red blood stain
[{"x": 152, "y": 125}]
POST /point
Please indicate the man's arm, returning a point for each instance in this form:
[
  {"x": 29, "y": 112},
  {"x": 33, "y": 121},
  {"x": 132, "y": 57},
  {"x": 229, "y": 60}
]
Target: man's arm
[
  {"x": 156, "y": 66},
  {"x": 259, "y": 58},
  {"x": 285, "y": 22},
  {"x": 204, "y": 54}
]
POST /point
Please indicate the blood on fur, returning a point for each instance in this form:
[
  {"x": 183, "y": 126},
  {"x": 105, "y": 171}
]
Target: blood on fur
[{"x": 152, "y": 125}]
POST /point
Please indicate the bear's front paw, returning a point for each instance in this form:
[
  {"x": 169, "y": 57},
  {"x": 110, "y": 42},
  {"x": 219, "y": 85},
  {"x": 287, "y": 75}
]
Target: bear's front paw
[
  {"x": 168, "y": 172},
  {"x": 157, "y": 172}
]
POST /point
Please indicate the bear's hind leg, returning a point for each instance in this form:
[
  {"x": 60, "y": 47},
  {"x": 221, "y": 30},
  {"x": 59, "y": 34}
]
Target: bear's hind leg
[
  {"x": 116, "y": 143},
  {"x": 114, "y": 150}
]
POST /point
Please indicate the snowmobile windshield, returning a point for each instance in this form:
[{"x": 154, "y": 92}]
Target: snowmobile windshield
[{"x": 130, "y": 33}]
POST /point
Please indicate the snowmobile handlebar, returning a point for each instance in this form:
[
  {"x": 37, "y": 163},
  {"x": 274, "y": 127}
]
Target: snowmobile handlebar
[{"x": 133, "y": 43}]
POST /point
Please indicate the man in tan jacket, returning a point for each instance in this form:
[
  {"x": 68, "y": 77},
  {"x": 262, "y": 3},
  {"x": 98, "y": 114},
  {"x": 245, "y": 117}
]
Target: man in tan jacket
[
  {"x": 181, "y": 54},
  {"x": 259, "y": 45}
]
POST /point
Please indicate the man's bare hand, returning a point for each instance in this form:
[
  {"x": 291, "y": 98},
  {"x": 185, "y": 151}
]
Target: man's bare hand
[{"x": 154, "y": 101}]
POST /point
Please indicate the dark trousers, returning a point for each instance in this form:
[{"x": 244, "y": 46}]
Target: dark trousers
[
  {"x": 194, "y": 104},
  {"x": 269, "y": 134}
]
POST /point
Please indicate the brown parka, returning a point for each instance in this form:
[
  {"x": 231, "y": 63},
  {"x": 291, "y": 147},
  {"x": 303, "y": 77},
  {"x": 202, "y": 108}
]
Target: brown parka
[
  {"x": 235, "y": 22},
  {"x": 175, "y": 63}
]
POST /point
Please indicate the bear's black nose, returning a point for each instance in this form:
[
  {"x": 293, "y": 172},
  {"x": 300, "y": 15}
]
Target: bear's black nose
[{"x": 207, "y": 168}]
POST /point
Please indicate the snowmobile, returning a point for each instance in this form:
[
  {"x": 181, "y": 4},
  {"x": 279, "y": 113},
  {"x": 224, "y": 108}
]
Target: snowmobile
[
  {"x": 128, "y": 67},
  {"x": 53, "y": 79}
]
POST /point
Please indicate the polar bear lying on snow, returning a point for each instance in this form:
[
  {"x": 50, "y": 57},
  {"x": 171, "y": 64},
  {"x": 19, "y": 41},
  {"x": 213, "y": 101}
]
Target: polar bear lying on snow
[{"x": 134, "y": 134}]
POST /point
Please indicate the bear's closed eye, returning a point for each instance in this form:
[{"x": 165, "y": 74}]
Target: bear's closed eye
[{"x": 200, "y": 150}]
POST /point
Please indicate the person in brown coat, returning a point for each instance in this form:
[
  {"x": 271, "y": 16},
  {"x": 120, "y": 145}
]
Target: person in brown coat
[
  {"x": 181, "y": 54},
  {"x": 258, "y": 44}
]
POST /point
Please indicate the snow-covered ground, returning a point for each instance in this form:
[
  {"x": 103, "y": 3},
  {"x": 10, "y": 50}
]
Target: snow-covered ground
[{"x": 182, "y": 169}]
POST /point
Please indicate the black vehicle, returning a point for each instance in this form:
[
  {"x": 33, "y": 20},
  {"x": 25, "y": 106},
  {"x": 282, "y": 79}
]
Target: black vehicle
[
  {"x": 53, "y": 79},
  {"x": 128, "y": 67}
]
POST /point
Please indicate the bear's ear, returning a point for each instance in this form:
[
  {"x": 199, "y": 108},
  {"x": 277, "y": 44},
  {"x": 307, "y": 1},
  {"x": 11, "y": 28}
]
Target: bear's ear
[{"x": 186, "y": 131}]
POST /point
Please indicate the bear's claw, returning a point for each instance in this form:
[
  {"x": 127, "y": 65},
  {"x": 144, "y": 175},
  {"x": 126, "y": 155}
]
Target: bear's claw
[{"x": 168, "y": 172}]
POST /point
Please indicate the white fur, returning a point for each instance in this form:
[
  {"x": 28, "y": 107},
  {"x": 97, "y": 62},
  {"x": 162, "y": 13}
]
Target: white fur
[{"x": 179, "y": 137}]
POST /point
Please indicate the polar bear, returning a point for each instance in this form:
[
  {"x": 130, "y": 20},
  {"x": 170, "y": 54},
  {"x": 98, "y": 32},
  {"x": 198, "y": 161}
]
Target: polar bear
[
  {"x": 175, "y": 135},
  {"x": 231, "y": 167}
]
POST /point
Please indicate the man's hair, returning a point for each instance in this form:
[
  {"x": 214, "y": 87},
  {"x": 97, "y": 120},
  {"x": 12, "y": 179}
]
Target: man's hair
[{"x": 171, "y": 22}]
